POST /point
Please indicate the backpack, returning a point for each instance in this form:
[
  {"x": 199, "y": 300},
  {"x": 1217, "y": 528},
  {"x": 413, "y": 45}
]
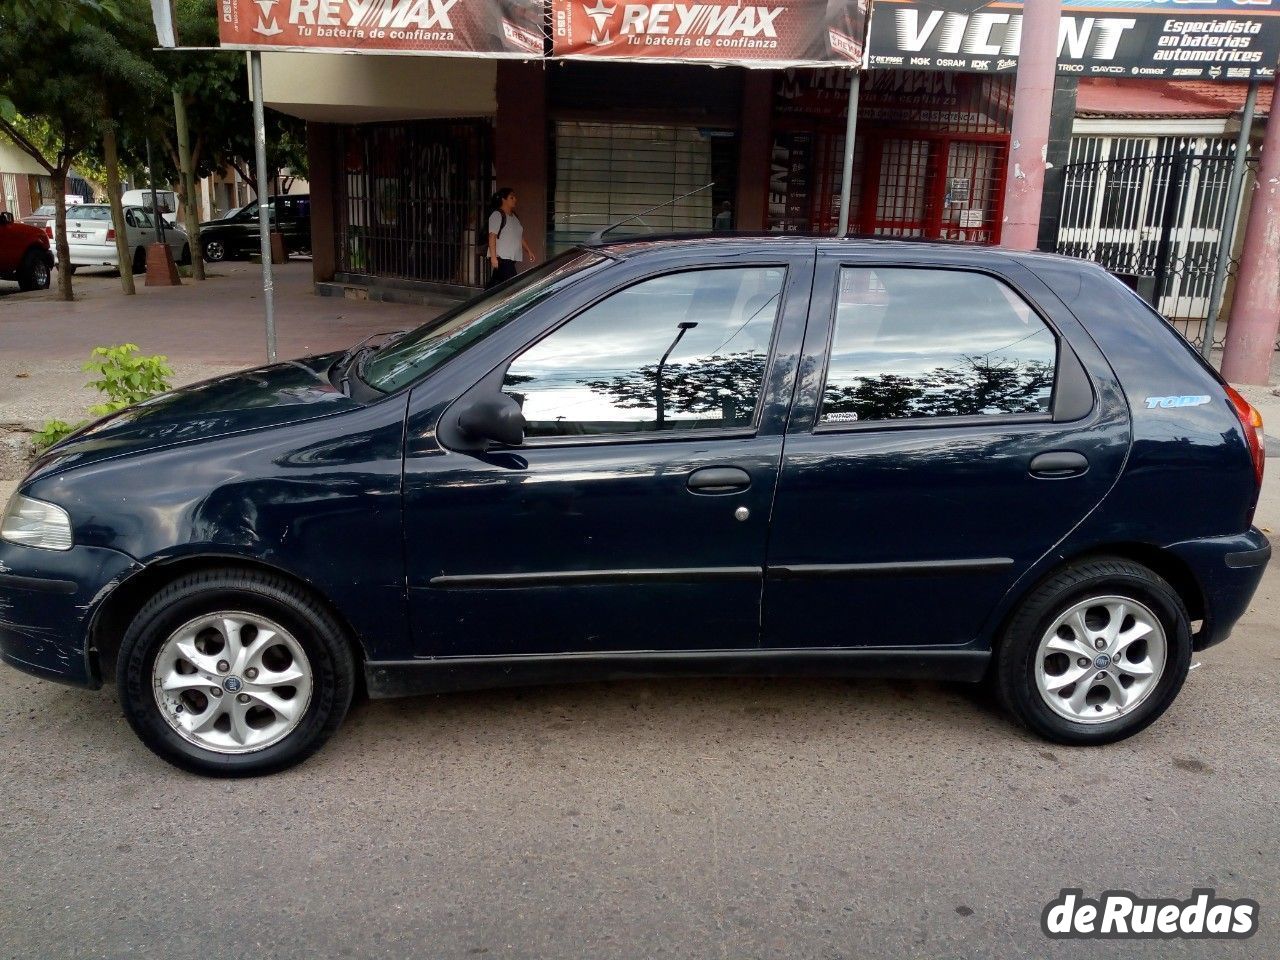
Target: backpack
[{"x": 482, "y": 235}]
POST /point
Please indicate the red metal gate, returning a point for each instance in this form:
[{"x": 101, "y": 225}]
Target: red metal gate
[{"x": 933, "y": 185}]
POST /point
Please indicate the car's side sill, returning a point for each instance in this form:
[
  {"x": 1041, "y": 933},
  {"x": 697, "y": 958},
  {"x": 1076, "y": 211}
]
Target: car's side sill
[{"x": 394, "y": 678}]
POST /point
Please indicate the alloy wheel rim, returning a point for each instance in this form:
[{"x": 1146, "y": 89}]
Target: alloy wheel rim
[
  {"x": 232, "y": 682},
  {"x": 41, "y": 276},
  {"x": 213, "y": 250},
  {"x": 1100, "y": 659}
]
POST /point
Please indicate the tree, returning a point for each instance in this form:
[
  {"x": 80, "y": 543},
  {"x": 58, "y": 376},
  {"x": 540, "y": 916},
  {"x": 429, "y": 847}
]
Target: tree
[
  {"x": 726, "y": 385},
  {"x": 975, "y": 385},
  {"x": 55, "y": 103}
]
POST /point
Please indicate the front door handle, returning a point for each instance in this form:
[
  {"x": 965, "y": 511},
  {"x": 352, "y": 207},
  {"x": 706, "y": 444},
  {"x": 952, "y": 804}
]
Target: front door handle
[
  {"x": 1059, "y": 463},
  {"x": 719, "y": 480}
]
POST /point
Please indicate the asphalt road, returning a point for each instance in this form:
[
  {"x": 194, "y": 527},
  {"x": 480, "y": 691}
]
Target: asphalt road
[{"x": 710, "y": 818}]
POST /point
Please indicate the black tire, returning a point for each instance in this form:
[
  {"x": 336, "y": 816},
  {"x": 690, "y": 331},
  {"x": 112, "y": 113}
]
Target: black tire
[
  {"x": 33, "y": 272},
  {"x": 255, "y": 592},
  {"x": 185, "y": 259},
  {"x": 1015, "y": 676},
  {"x": 140, "y": 260},
  {"x": 215, "y": 251}
]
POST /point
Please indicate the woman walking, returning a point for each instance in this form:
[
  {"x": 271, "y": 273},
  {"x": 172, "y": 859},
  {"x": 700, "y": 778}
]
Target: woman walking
[{"x": 507, "y": 246}]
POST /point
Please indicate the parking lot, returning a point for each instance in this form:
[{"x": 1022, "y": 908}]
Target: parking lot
[{"x": 692, "y": 818}]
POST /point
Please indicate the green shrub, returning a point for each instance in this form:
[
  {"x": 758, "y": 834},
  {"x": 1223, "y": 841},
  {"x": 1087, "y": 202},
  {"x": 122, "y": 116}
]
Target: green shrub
[
  {"x": 126, "y": 378},
  {"x": 52, "y": 432}
]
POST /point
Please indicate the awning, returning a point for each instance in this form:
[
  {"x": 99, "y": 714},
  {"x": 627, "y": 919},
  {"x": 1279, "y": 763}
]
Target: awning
[{"x": 767, "y": 35}]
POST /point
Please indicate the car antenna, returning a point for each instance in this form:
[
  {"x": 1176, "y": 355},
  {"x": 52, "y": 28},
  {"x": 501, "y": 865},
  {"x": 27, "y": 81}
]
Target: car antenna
[{"x": 598, "y": 236}]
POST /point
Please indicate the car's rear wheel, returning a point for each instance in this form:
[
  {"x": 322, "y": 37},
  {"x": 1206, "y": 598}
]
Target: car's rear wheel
[
  {"x": 1096, "y": 653},
  {"x": 140, "y": 260},
  {"x": 215, "y": 251},
  {"x": 33, "y": 272},
  {"x": 234, "y": 672}
]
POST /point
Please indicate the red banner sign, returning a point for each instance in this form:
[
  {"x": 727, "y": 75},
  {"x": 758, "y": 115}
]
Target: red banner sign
[
  {"x": 769, "y": 34},
  {"x": 484, "y": 28}
]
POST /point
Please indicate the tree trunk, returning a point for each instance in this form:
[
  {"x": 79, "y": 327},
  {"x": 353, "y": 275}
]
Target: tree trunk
[
  {"x": 112, "y": 156},
  {"x": 60, "y": 221},
  {"x": 189, "y": 198}
]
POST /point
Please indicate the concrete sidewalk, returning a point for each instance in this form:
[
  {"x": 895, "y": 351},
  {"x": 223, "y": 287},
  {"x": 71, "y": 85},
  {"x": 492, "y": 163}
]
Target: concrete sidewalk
[{"x": 203, "y": 328}]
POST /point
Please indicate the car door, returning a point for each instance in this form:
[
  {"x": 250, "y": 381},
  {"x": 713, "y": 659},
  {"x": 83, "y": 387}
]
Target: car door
[
  {"x": 951, "y": 427},
  {"x": 634, "y": 516}
]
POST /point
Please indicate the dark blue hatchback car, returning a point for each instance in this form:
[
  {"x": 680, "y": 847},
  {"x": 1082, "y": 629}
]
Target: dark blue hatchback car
[{"x": 745, "y": 455}]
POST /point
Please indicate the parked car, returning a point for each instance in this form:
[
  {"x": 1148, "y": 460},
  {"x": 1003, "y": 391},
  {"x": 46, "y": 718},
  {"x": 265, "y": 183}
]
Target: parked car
[
  {"x": 91, "y": 237},
  {"x": 167, "y": 199},
  {"x": 40, "y": 216},
  {"x": 719, "y": 455},
  {"x": 24, "y": 254},
  {"x": 235, "y": 236}
]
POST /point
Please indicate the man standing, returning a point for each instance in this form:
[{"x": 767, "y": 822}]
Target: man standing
[{"x": 507, "y": 246}]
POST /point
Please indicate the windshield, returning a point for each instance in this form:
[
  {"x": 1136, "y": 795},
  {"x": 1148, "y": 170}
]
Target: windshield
[{"x": 422, "y": 350}]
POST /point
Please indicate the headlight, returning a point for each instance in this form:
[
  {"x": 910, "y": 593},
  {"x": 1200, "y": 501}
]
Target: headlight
[{"x": 34, "y": 523}]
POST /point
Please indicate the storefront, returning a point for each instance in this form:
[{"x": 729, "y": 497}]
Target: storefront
[{"x": 695, "y": 118}]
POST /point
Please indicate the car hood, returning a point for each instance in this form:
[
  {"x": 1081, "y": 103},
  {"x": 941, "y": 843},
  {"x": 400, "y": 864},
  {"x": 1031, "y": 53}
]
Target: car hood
[{"x": 266, "y": 396}]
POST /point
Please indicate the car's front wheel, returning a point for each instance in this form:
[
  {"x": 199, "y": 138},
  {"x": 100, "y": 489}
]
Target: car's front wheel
[
  {"x": 33, "y": 272},
  {"x": 234, "y": 672},
  {"x": 1096, "y": 653},
  {"x": 215, "y": 251}
]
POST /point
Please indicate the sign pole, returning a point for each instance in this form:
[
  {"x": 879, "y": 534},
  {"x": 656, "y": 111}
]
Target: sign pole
[
  {"x": 264, "y": 201},
  {"x": 846, "y": 172},
  {"x": 1230, "y": 213},
  {"x": 1029, "y": 133},
  {"x": 1255, "y": 307}
]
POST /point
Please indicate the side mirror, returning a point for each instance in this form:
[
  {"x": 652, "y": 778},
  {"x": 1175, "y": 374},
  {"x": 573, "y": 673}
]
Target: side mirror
[
  {"x": 492, "y": 416},
  {"x": 6, "y": 218}
]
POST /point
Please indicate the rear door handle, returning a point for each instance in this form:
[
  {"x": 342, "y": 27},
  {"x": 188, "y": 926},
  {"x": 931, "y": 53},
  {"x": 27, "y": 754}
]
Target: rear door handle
[
  {"x": 719, "y": 480},
  {"x": 1059, "y": 463}
]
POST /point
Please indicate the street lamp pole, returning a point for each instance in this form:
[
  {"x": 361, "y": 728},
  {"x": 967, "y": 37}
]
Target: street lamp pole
[{"x": 685, "y": 327}]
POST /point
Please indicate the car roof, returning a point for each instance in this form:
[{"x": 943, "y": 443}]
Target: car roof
[{"x": 915, "y": 248}]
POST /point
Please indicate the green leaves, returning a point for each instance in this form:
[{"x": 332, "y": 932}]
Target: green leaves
[
  {"x": 52, "y": 432},
  {"x": 126, "y": 378}
]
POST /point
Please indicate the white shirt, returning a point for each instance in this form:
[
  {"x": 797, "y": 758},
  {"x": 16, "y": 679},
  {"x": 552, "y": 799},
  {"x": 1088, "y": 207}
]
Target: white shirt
[{"x": 511, "y": 240}]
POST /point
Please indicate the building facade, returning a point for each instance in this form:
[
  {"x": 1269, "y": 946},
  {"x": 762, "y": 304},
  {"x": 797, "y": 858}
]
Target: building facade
[{"x": 404, "y": 153}]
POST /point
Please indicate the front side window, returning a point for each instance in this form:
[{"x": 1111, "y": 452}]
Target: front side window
[
  {"x": 677, "y": 352},
  {"x": 913, "y": 343},
  {"x": 420, "y": 351}
]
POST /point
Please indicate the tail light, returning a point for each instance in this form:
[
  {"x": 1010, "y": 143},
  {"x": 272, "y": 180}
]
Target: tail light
[
  {"x": 111, "y": 233},
  {"x": 49, "y": 231},
  {"x": 1251, "y": 420}
]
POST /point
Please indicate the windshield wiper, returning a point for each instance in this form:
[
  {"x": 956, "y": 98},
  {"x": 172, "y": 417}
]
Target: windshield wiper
[{"x": 344, "y": 364}]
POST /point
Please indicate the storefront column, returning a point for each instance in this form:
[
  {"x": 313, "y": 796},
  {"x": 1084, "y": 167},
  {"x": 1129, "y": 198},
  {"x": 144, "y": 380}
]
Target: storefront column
[
  {"x": 321, "y": 174},
  {"x": 520, "y": 144},
  {"x": 1032, "y": 107},
  {"x": 755, "y": 130},
  {"x": 1255, "y": 310}
]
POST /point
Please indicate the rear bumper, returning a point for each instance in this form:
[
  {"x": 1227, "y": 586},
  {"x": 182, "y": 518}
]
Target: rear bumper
[
  {"x": 1228, "y": 570},
  {"x": 47, "y": 601}
]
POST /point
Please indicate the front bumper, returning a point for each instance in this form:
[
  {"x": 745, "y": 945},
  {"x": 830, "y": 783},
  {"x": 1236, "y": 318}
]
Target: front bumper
[
  {"x": 1228, "y": 570},
  {"x": 47, "y": 602}
]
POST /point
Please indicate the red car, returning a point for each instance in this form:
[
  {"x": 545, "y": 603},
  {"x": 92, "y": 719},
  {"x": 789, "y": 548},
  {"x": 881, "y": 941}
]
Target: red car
[{"x": 24, "y": 254}]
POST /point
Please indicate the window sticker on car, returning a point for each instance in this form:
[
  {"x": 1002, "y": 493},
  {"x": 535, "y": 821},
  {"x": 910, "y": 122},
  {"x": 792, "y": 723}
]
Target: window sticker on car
[
  {"x": 1167, "y": 402},
  {"x": 841, "y": 416}
]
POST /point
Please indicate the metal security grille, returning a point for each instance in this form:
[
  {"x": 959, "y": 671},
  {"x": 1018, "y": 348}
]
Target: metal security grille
[
  {"x": 935, "y": 185},
  {"x": 410, "y": 197},
  {"x": 1152, "y": 208},
  {"x": 605, "y": 172}
]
